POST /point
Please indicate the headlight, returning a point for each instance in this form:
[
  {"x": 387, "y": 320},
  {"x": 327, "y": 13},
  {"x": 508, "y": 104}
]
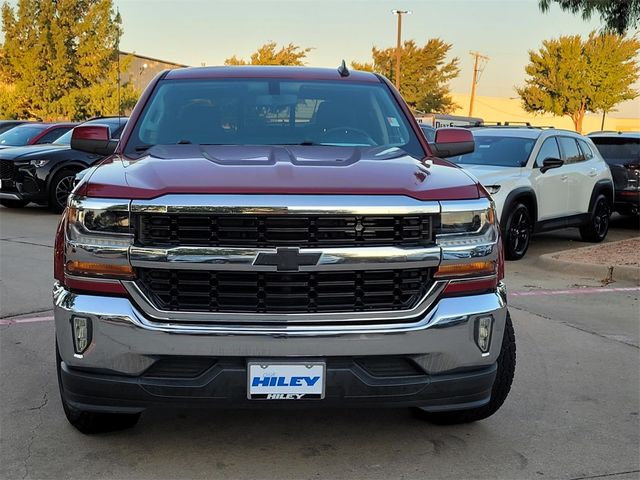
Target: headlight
[
  {"x": 467, "y": 227},
  {"x": 39, "y": 163},
  {"x": 492, "y": 189},
  {"x": 98, "y": 237}
]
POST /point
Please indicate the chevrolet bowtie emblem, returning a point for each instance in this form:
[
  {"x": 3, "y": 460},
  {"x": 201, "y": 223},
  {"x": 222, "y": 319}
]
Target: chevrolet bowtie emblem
[{"x": 287, "y": 259}]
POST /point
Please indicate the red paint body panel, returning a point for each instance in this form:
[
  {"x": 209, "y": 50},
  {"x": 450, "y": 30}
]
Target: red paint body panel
[
  {"x": 151, "y": 177},
  {"x": 453, "y": 135},
  {"x": 91, "y": 132}
]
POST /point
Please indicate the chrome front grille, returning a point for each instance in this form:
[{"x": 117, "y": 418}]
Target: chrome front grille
[
  {"x": 312, "y": 231},
  {"x": 279, "y": 292}
]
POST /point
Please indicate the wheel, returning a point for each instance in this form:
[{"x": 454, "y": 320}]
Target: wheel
[
  {"x": 517, "y": 232},
  {"x": 499, "y": 391},
  {"x": 13, "y": 203},
  {"x": 93, "y": 422},
  {"x": 60, "y": 188},
  {"x": 596, "y": 230}
]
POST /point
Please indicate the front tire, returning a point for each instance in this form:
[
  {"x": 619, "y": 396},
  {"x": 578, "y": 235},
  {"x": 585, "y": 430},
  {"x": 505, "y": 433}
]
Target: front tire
[
  {"x": 93, "y": 422},
  {"x": 499, "y": 391},
  {"x": 61, "y": 186},
  {"x": 517, "y": 232},
  {"x": 596, "y": 230},
  {"x": 14, "y": 203}
]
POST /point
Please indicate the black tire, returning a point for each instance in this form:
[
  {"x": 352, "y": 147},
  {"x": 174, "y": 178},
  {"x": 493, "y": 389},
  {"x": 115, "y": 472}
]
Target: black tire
[
  {"x": 60, "y": 188},
  {"x": 499, "y": 391},
  {"x": 596, "y": 230},
  {"x": 93, "y": 422},
  {"x": 517, "y": 232},
  {"x": 14, "y": 203}
]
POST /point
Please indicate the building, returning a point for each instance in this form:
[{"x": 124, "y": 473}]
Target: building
[{"x": 142, "y": 69}]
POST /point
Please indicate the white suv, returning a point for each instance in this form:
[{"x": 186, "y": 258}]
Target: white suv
[{"x": 541, "y": 180}]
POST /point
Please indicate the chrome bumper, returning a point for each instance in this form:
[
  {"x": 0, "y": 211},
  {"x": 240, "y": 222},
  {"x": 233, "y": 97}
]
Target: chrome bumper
[{"x": 125, "y": 341}]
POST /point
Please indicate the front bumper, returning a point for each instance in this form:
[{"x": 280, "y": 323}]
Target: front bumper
[{"x": 453, "y": 372}]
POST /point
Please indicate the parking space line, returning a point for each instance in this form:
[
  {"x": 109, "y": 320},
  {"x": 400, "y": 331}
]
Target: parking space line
[{"x": 13, "y": 321}]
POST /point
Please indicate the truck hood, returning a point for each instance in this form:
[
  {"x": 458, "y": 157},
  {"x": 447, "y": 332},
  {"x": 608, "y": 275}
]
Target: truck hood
[
  {"x": 492, "y": 174},
  {"x": 277, "y": 170}
]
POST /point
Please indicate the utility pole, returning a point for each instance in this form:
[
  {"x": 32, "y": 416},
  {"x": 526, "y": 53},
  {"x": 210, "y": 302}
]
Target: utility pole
[
  {"x": 477, "y": 71},
  {"x": 399, "y": 13}
]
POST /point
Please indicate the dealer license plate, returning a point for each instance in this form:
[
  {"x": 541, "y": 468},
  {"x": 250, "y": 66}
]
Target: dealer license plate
[{"x": 285, "y": 380}]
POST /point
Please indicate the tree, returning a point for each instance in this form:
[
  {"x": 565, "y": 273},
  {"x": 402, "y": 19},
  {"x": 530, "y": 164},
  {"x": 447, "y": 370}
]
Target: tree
[
  {"x": 618, "y": 16},
  {"x": 268, "y": 54},
  {"x": 424, "y": 70},
  {"x": 569, "y": 76},
  {"x": 61, "y": 60}
]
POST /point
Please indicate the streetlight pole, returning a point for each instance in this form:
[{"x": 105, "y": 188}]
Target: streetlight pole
[{"x": 399, "y": 13}]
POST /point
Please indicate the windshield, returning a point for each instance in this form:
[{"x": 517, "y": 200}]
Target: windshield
[
  {"x": 618, "y": 150},
  {"x": 273, "y": 112},
  {"x": 19, "y": 136},
  {"x": 498, "y": 151}
]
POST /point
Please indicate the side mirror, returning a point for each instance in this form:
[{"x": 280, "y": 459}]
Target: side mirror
[
  {"x": 550, "y": 163},
  {"x": 451, "y": 142},
  {"x": 93, "y": 139}
]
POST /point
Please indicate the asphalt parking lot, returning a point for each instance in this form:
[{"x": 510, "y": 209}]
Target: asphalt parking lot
[{"x": 572, "y": 413}]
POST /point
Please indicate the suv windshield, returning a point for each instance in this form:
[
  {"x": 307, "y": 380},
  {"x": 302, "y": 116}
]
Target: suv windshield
[
  {"x": 19, "y": 136},
  {"x": 272, "y": 112},
  {"x": 618, "y": 150},
  {"x": 498, "y": 151}
]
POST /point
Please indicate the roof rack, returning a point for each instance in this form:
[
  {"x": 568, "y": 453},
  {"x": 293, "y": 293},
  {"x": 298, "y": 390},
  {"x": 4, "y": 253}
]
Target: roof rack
[{"x": 511, "y": 124}]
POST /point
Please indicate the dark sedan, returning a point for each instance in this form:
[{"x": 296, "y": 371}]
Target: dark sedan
[
  {"x": 44, "y": 174},
  {"x": 33, "y": 134},
  {"x": 621, "y": 150}
]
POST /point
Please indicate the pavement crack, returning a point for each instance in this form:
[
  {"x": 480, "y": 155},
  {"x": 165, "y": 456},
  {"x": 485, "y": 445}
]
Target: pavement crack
[
  {"x": 604, "y": 475},
  {"x": 32, "y": 437},
  {"x": 25, "y": 243},
  {"x": 581, "y": 329}
]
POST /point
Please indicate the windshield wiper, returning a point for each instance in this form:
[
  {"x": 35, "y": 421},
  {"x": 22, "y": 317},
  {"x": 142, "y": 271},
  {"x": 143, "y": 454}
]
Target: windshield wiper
[{"x": 142, "y": 148}]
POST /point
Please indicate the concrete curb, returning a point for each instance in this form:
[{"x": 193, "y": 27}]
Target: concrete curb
[{"x": 597, "y": 271}]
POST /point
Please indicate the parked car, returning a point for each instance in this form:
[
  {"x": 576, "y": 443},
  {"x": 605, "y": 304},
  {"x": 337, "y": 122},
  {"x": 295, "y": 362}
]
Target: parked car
[
  {"x": 33, "y": 134},
  {"x": 269, "y": 235},
  {"x": 541, "y": 180},
  {"x": 621, "y": 150},
  {"x": 429, "y": 132},
  {"x": 9, "y": 124},
  {"x": 44, "y": 174}
]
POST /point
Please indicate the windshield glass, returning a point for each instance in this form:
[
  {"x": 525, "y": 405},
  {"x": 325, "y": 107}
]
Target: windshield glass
[
  {"x": 498, "y": 151},
  {"x": 618, "y": 150},
  {"x": 19, "y": 136},
  {"x": 272, "y": 112}
]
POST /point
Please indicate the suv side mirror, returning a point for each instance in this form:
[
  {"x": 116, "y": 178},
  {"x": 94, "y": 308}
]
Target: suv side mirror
[
  {"x": 550, "y": 163},
  {"x": 451, "y": 142},
  {"x": 93, "y": 139}
]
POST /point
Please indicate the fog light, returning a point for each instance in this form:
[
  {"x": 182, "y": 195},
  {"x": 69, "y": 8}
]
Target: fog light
[
  {"x": 81, "y": 333},
  {"x": 483, "y": 332}
]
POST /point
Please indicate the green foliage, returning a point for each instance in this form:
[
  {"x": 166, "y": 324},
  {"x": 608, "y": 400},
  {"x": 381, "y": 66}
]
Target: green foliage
[
  {"x": 570, "y": 76},
  {"x": 618, "y": 15},
  {"x": 424, "y": 71},
  {"x": 268, "y": 54},
  {"x": 61, "y": 59}
]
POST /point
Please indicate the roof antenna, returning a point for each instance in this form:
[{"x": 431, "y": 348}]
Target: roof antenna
[{"x": 343, "y": 70}]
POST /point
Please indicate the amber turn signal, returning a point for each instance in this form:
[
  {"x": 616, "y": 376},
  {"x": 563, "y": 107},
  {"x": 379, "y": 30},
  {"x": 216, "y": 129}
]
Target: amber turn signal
[
  {"x": 466, "y": 269},
  {"x": 99, "y": 269}
]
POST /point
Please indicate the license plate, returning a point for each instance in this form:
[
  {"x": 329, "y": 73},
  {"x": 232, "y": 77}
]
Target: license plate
[{"x": 285, "y": 380}]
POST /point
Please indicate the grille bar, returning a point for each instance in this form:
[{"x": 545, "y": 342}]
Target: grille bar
[
  {"x": 274, "y": 292},
  {"x": 7, "y": 168},
  {"x": 211, "y": 230}
]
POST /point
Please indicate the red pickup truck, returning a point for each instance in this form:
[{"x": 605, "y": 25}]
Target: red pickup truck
[{"x": 266, "y": 235}]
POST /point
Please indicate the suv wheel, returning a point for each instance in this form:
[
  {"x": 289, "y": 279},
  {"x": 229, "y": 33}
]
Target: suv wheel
[
  {"x": 499, "y": 391},
  {"x": 13, "y": 203},
  {"x": 93, "y": 422},
  {"x": 598, "y": 226},
  {"x": 517, "y": 232},
  {"x": 60, "y": 189}
]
